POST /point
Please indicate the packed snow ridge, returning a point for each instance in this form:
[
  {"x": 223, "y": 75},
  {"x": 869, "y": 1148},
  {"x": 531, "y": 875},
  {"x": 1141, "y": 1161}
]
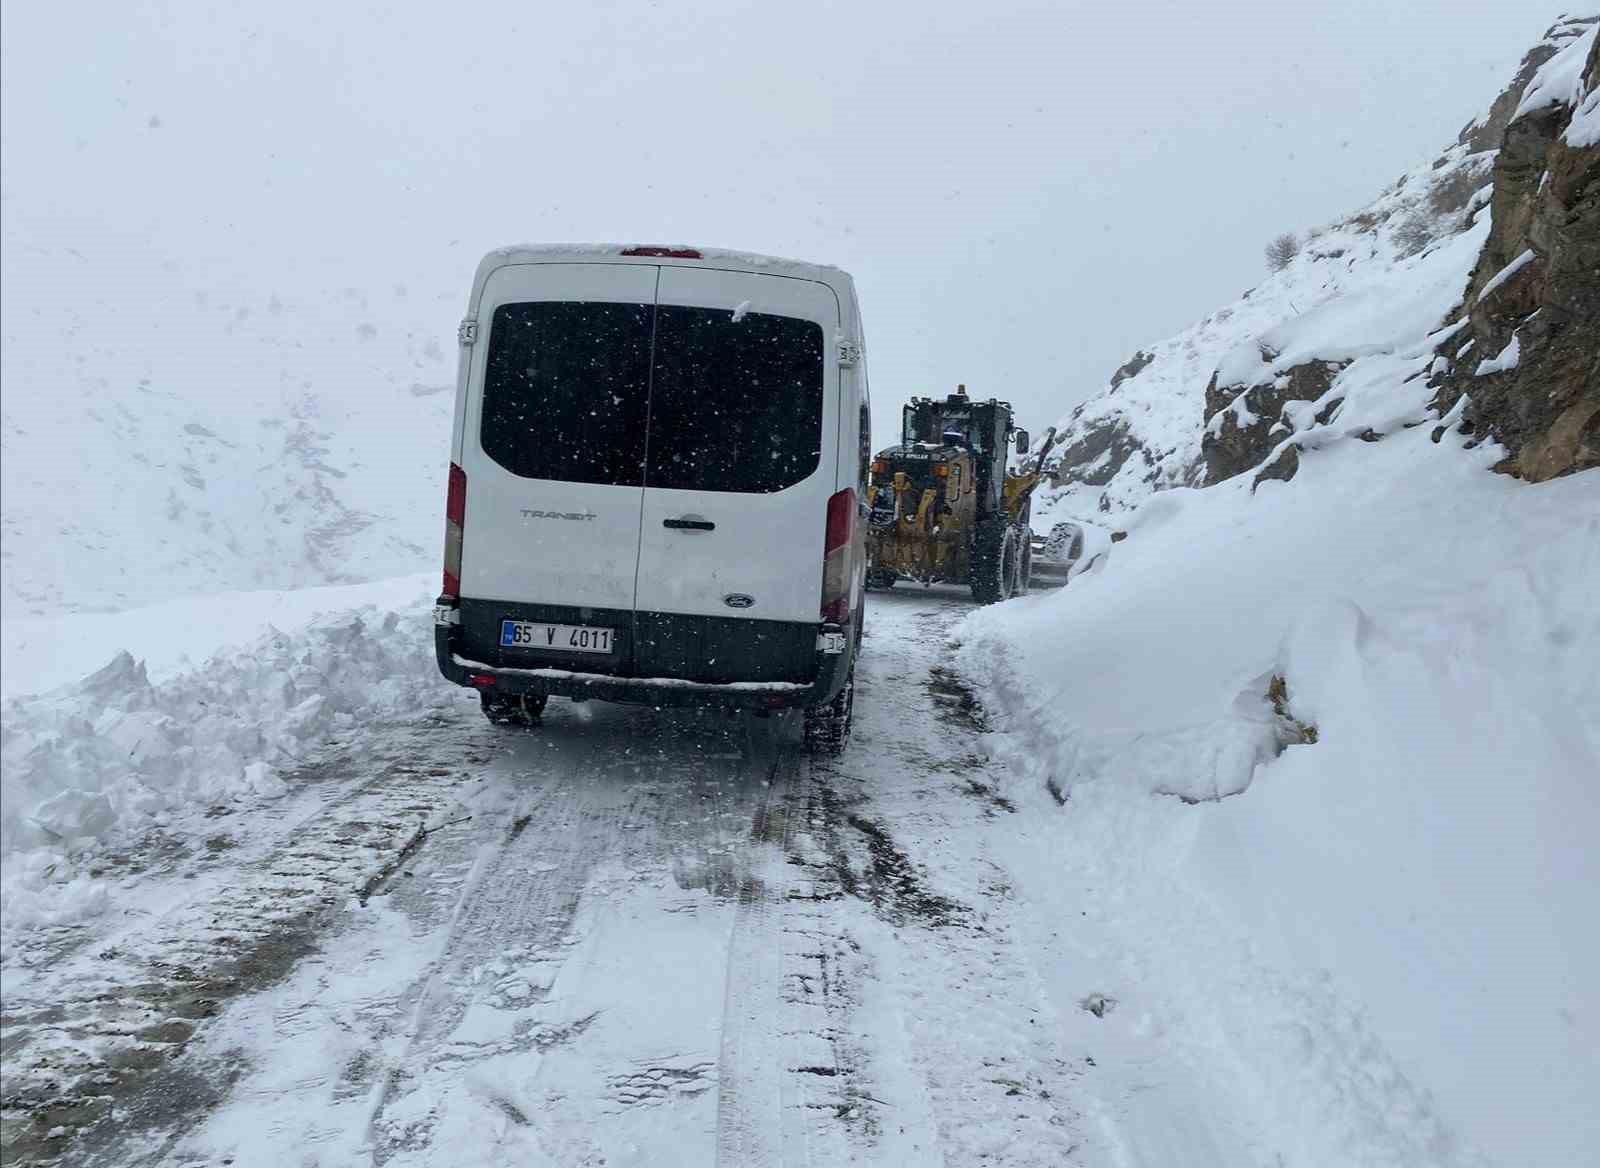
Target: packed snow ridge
[
  {"x": 1325, "y": 750},
  {"x": 102, "y": 762}
]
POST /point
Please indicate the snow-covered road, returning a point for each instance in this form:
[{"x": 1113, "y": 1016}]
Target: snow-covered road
[{"x": 628, "y": 937}]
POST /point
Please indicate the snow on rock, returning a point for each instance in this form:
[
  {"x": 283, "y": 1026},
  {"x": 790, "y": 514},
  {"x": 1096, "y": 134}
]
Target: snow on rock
[
  {"x": 97, "y": 762},
  {"x": 1329, "y": 372},
  {"x": 1505, "y": 273},
  {"x": 1502, "y": 361},
  {"x": 1584, "y": 129},
  {"x": 1381, "y": 283},
  {"x": 1533, "y": 298},
  {"x": 1376, "y": 284},
  {"x": 1559, "y": 80}
]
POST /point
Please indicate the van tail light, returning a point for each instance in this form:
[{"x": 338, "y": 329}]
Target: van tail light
[
  {"x": 838, "y": 547},
  {"x": 455, "y": 517}
]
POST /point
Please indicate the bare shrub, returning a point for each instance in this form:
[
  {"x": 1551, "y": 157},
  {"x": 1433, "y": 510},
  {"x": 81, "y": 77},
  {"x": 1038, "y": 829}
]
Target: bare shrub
[
  {"x": 1281, "y": 250},
  {"x": 1415, "y": 232}
]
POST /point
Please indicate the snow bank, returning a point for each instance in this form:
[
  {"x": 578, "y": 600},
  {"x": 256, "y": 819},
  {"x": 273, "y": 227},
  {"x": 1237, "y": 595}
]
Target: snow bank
[
  {"x": 97, "y": 762},
  {"x": 42, "y": 653},
  {"x": 1383, "y": 942}
]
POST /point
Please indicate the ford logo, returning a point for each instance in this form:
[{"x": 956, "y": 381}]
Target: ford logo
[{"x": 738, "y": 600}]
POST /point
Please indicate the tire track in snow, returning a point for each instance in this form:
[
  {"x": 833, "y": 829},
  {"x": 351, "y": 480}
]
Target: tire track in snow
[
  {"x": 521, "y": 893},
  {"x": 751, "y": 1090},
  {"x": 962, "y": 1038},
  {"x": 599, "y": 828}
]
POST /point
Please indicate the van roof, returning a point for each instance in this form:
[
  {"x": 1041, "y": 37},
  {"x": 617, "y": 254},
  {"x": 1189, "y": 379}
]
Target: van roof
[{"x": 616, "y": 253}]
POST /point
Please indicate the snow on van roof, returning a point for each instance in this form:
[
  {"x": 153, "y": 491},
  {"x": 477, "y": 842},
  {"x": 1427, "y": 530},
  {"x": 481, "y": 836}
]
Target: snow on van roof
[{"x": 743, "y": 259}]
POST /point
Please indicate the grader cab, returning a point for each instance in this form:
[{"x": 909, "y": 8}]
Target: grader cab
[{"x": 944, "y": 508}]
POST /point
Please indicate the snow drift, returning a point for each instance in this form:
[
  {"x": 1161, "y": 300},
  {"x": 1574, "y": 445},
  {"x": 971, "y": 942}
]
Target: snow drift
[
  {"x": 1428, "y": 862},
  {"x": 100, "y": 761},
  {"x": 1322, "y": 741}
]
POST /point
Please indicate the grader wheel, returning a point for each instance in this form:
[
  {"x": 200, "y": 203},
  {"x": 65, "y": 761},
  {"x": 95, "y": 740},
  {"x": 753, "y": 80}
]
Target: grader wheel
[{"x": 999, "y": 562}]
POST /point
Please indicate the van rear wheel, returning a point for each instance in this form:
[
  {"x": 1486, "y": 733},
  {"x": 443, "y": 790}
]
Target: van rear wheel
[
  {"x": 827, "y": 727},
  {"x": 519, "y": 710}
]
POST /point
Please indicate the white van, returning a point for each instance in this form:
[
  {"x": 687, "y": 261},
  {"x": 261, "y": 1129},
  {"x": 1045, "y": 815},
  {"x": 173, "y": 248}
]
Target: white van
[{"x": 657, "y": 472}]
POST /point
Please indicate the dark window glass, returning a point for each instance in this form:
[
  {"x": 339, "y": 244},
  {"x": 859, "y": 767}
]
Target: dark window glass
[
  {"x": 565, "y": 391},
  {"x": 736, "y": 402}
]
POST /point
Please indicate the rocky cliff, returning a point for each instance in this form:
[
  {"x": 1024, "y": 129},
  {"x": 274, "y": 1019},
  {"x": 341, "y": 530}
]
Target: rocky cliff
[
  {"x": 1468, "y": 288},
  {"x": 1525, "y": 371}
]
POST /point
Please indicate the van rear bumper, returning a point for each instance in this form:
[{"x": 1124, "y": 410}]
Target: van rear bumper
[{"x": 829, "y": 678}]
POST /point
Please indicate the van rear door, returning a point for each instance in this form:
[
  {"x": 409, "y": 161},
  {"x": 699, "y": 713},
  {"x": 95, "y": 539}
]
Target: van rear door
[
  {"x": 553, "y": 447},
  {"x": 740, "y": 461}
]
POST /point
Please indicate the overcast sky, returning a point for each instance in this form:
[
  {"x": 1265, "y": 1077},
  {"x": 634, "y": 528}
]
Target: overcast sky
[{"x": 1025, "y": 192}]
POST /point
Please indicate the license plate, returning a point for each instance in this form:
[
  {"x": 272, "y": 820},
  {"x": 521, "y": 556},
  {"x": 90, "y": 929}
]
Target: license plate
[{"x": 563, "y": 638}]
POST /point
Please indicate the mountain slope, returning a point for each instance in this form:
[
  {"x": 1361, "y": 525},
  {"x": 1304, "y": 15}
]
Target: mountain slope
[
  {"x": 1379, "y": 286},
  {"x": 215, "y": 440}
]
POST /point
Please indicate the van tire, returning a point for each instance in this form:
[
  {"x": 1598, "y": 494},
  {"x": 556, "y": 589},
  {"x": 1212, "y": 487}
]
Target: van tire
[
  {"x": 522, "y": 710},
  {"x": 989, "y": 568},
  {"x": 827, "y": 727},
  {"x": 881, "y": 578}
]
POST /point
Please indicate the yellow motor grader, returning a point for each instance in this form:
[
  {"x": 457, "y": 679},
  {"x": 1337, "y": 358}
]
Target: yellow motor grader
[{"x": 944, "y": 507}]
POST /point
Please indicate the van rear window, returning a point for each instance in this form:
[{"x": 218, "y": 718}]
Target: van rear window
[
  {"x": 736, "y": 400},
  {"x": 570, "y": 394},
  {"x": 564, "y": 394}
]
